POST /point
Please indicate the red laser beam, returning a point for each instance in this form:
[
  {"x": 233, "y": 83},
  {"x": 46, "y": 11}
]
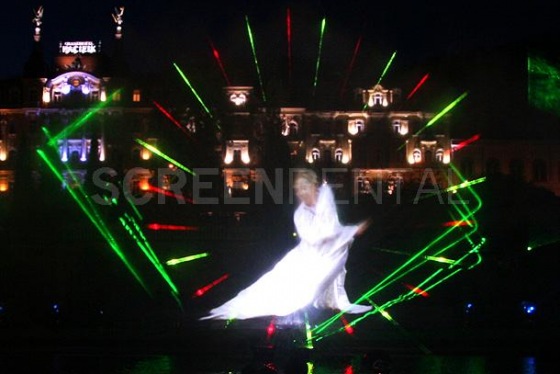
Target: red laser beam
[
  {"x": 289, "y": 37},
  {"x": 457, "y": 223},
  {"x": 422, "y": 81},
  {"x": 159, "y": 226},
  {"x": 219, "y": 61},
  {"x": 169, "y": 194},
  {"x": 351, "y": 66},
  {"x": 349, "y": 329},
  {"x": 416, "y": 290},
  {"x": 170, "y": 117},
  {"x": 203, "y": 290},
  {"x": 464, "y": 143}
]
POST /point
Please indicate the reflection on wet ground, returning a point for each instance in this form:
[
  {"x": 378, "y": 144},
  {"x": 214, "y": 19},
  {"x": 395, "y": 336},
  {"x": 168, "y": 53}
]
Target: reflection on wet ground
[
  {"x": 376, "y": 362},
  {"x": 211, "y": 349}
]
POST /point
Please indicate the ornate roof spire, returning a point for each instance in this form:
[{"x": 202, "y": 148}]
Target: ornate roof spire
[
  {"x": 38, "y": 21},
  {"x": 118, "y": 18}
]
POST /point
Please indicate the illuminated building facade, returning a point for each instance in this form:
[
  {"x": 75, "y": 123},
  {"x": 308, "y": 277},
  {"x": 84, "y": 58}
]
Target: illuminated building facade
[
  {"x": 85, "y": 101},
  {"x": 98, "y": 110},
  {"x": 374, "y": 148}
]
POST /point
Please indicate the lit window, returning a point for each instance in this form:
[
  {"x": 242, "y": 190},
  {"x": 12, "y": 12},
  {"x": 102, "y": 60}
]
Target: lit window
[
  {"x": 293, "y": 127},
  {"x": 439, "y": 155},
  {"x": 4, "y": 185},
  {"x": 397, "y": 126},
  {"x": 355, "y": 126},
  {"x": 315, "y": 154},
  {"x": 238, "y": 98},
  {"x": 360, "y": 125},
  {"x": 46, "y": 96},
  {"x": 285, "y": 128},
  {"x": 237, "y": 154},
  {"x": 289, "y": 127},
  {"x": 338, "y": 155},
  {"x": 136, "y": 96},
  {"x": 417, "y": 156}
]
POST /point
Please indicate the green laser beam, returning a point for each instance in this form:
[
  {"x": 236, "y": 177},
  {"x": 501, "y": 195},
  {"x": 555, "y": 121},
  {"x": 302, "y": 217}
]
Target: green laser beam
[
  {"x": 175, "y": 261},
  {"x": 140, "y": 240},
  {"x": 452, "y": 105},
  {"x": 153, "y": 149},
  {"x": 81, "y": 121},
  {"x": 318, "y": 62},
  {"x": 98, "y": 224},
  {"x": 196, "y": 95},
  {"x": 253, "y": 49},
  {"x": 386, "y": 69},
  {"x": 444, "y": 111},
  {"x": 438, "y": 246}
]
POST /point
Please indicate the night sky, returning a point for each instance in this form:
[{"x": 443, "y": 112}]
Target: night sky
[
  {"x": 465, "y": 46},
  {"x": 161, "y": 31}
]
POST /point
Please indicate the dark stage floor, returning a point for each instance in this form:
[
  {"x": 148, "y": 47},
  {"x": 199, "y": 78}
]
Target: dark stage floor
[
  {"x": 245, "y": 347},
  {"x": 70, "y": 306}
]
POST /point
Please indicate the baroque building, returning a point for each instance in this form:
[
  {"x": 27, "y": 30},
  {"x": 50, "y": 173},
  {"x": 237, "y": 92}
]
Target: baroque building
[{"x": 93, "y": 111}]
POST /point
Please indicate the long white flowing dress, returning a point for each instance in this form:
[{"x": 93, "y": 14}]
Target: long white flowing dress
[{"x": 312, "y": 273}]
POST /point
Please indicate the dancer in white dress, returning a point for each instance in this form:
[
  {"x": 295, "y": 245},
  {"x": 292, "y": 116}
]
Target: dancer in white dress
[{"x": 313, "y": 272}]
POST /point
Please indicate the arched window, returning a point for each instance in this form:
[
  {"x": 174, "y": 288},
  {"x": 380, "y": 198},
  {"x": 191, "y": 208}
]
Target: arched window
[
  {"x": 439, "y": 155},
  {"x": 360, "y": 125},
  {"x": 136, "y": 96},
  {"x": 315, "y": 154},
  {"x": 417, "y": 155},
  {"x": 289, "y": 126},
  {"x": 285, "y": 127},
  {"x": 294, "y": 127},
  {"x": 74, "y": 157},
  {"x": 338, "y": 155},
  {"x": 397, "y": 126}
]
